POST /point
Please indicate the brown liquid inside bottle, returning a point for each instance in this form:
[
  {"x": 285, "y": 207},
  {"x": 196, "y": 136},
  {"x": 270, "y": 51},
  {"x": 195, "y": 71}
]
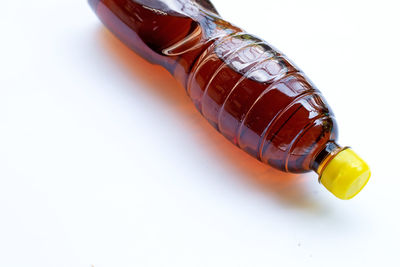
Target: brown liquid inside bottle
[{"x": 246, "y": 89}]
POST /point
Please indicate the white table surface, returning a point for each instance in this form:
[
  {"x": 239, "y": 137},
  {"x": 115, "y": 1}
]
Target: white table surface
[{"x": 104, "y": 160}]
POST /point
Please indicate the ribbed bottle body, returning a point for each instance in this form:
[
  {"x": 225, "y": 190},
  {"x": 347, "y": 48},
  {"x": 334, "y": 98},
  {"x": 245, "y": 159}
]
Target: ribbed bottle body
[{"x": 261, "y": 102}]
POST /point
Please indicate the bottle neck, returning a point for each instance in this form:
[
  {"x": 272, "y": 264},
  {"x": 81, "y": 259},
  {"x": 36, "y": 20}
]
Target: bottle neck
[{"x": 322, "y": 159}]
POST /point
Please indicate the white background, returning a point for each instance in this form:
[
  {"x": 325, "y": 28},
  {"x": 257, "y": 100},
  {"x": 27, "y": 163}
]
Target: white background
[{"x": 104, "y": 160}]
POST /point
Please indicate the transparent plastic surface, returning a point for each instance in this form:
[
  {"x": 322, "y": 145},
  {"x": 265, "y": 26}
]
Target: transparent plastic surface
[{"x": 249, "y": 91}]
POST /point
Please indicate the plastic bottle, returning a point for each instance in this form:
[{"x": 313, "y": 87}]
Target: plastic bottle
[{"x": 248, "y": 90}]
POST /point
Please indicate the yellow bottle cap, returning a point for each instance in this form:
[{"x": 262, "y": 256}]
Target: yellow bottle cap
[{"x": 345, "y": 175}]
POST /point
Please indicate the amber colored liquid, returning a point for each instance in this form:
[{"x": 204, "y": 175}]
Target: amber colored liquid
[{"x": 247, "y": 90}]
